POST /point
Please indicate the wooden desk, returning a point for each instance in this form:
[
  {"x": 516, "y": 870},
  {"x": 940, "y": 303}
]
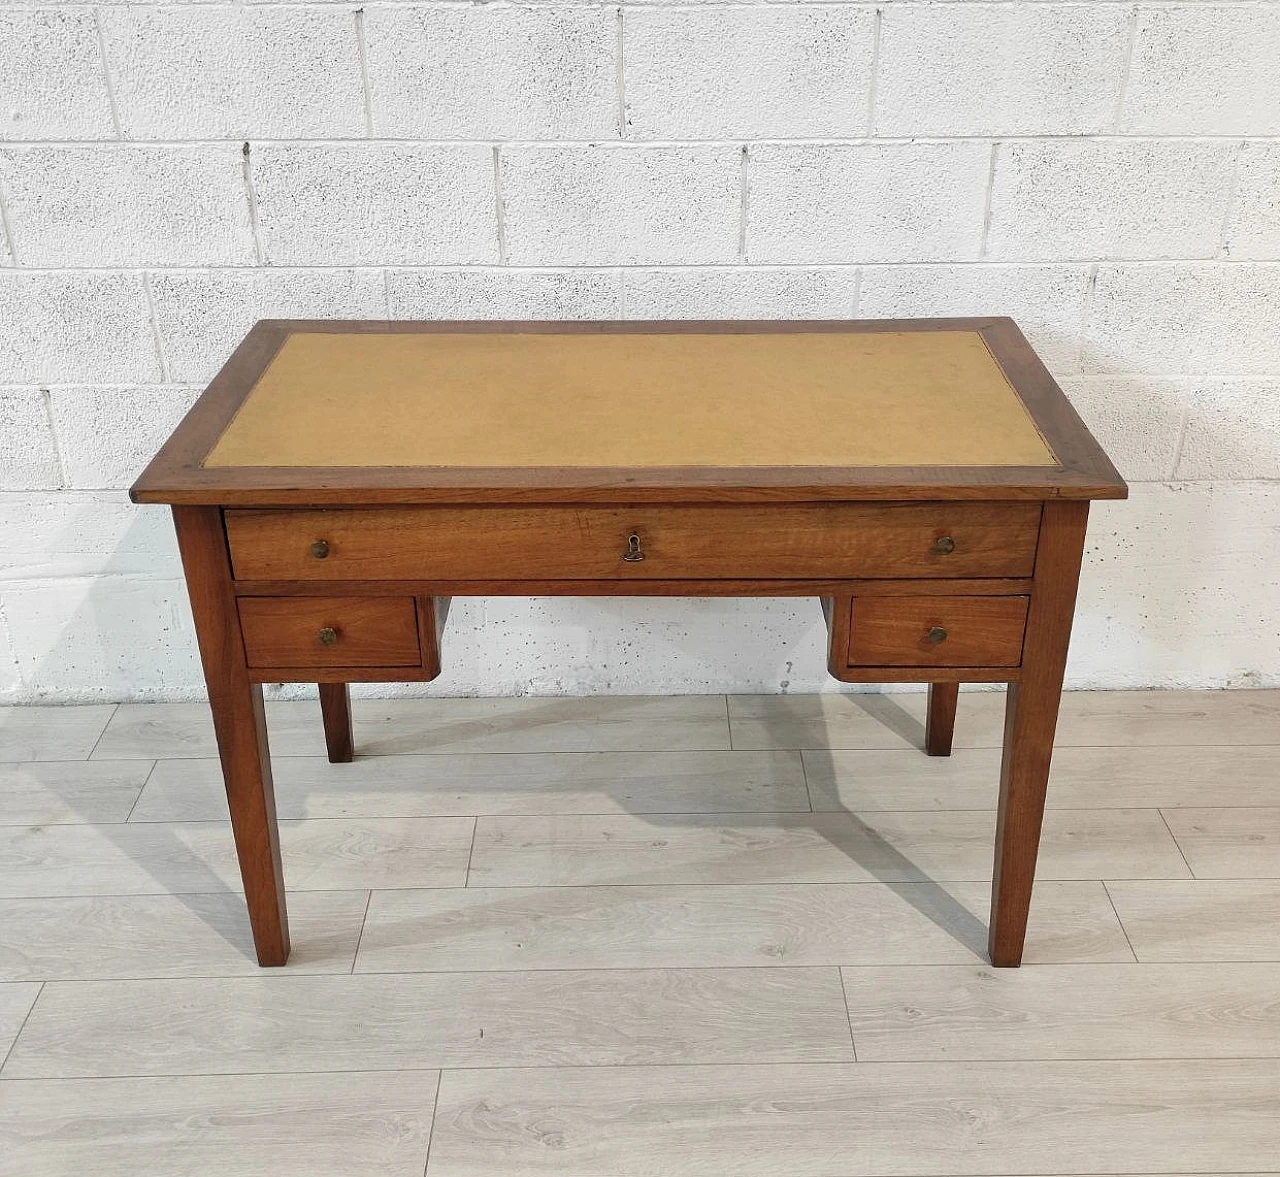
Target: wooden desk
[{"x": 338, "y": 482}]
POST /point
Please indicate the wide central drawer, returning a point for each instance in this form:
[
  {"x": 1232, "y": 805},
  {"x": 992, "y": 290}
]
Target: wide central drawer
[{"x": 838, "y": 540}]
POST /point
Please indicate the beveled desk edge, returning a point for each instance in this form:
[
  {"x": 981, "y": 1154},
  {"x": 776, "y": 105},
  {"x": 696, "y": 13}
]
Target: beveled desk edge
[{"x": 176, "y": 475}]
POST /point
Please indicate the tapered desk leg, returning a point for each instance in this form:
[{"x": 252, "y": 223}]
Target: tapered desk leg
[
  {"x": 940, "y": 722},
  {"x": 1031, "y": 716},
  {"x": 335, "y": 711},
  {"x": 239, "y": 724}
]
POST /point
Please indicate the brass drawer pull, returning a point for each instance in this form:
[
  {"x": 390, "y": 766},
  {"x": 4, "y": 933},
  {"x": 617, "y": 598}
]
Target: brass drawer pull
[
  {"x": 633, "y": 554},
  {"x": 944, "y": 545},
  {"x": 327, "y": 636},
  {"x": 936, "y": 635},
  {"x": 320, "y": 549}
]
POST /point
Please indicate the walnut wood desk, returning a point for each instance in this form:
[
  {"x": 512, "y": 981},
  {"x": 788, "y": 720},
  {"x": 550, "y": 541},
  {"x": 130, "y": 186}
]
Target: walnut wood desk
[{"x": 338, "y": 482}]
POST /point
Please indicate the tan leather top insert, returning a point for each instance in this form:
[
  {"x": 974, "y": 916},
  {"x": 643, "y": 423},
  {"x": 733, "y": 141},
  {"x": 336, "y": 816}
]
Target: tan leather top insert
[{"x": 835, "y": 398}]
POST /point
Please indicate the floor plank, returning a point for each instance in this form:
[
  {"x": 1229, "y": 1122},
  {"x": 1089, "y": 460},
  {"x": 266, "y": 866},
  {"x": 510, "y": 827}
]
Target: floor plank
[
  {"x": 821, "y": 848},
  {"x": 860, "y": 1120},
  {"x": 148, "y": 731},
  {"x": 1168, "y": 777},
  {"x": 1158, "y": 718},
  {"x": 729, "y": 926},
  {"x": 102, "y": 1028},
  {"x": 865, "y": 780},
  {"x": 106, "y": 936},
  {"x": 1230, "y": 843},
  {"x": 51, "y": 733},
  {"x": 370, "y": 1125},
  {"x": 1064, "y": 1012},
  {"x": 199, "y": 857},
  {"x": 872, "y": 780},
  {"x": 386, "y": 727},
  {"x": 15, "y": 1003},
  {"x": 657, "y": 723},
  {"x": 1202, "y": 920},
  {"x": 70, "y": 791},
  {"x": 1087, "y": 719},
  {"x": 511, "y": 783},
  {"x": 845, "y": 720}
]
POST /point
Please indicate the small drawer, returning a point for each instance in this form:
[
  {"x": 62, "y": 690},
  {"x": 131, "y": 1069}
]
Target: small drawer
[
  {"x": 936, "y": 631},
  {"x": 329, "y": 631}
]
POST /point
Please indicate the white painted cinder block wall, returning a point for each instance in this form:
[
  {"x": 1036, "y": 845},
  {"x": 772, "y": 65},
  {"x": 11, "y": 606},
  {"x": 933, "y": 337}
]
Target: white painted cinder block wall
[{"x": 1107, "y": 174}]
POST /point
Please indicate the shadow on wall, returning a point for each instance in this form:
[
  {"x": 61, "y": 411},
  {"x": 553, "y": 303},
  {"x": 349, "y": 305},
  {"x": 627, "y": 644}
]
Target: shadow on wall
[
  {"x": 1181, "y": 583},
  {"x": 94, "y": 602}
]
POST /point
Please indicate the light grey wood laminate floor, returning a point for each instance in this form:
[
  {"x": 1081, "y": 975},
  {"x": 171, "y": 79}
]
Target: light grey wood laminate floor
[{"x": 659, "y": 937}]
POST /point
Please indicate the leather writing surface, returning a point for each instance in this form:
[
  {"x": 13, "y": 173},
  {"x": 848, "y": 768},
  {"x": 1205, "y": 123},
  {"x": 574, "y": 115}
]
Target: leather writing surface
[{"x": 632, "y": 400}]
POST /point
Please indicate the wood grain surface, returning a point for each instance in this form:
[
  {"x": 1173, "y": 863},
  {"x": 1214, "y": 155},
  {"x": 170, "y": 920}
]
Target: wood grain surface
[
  {"x": 564, "y": 543},
  {"x": 1031, "y": 719},
  {"x": 366, "y": 631},
  {"x": 239, "y": 723},
  {"x": 975, "y": 631},
  {"x": 906, "y": 1119},
  {"x": 397, "y": 1022}
]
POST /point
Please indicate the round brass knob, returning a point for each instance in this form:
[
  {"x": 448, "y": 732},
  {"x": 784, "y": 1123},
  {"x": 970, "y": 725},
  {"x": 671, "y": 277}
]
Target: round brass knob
[
  {"x": 320, "y": 549},
  {"x": 944, "y": 545},
  {"x": 327, "y": 636},
  {"x": 936, "y": 634}
]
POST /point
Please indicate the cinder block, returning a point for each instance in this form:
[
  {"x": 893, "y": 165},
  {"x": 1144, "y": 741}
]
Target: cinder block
[
  {"x": 375, "y": 204},
  {"x": 78, "y": 533},
  {"x": 1205, "y": 69},
  {"x": 107, "y": 435},
  {"x": 1178, "y": 589},
  {"x": 75, "y": 327},
  {"x": 28, "y": 460},
  {"x": 1191, "y": 320},
  {"x": 740, "y": 293},
  {"x": 638, "y": 645},
  {"x": 1062, "y": 201},
  {"x": 52, "y": 84},
  {"x": 202, "y": 315},
  {"x": 505, "y": 294},
  {"x": 1254, "y": 230},
  {"x": 103, "y": 638},
  {"x": 1233, "y": 430},
  {"x": 242, "y": 72},
  {"x": 620, "y": 205},
  {"x": 127, "y": 206},
  {"x": 10, "y": 681},
  {"x": 985, "y": 69},
  {"x": 866, "y": 202},
  {"x": 705, "y": 73},
  {"x": 1137, "y": 421},
  {"x": 489, "y": 72},
  {"x": 1046, "y": 301}
]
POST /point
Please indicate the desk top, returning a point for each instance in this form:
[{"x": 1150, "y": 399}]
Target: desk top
[{"x": 359, "y": 412}]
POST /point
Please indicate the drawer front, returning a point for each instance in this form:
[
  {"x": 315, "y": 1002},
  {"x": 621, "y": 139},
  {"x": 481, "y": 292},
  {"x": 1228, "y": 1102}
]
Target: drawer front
[
  {"x": 329, "y": 631},
  {"x": 937, "y": 631},
  {"x": 837, "y": 540}
]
